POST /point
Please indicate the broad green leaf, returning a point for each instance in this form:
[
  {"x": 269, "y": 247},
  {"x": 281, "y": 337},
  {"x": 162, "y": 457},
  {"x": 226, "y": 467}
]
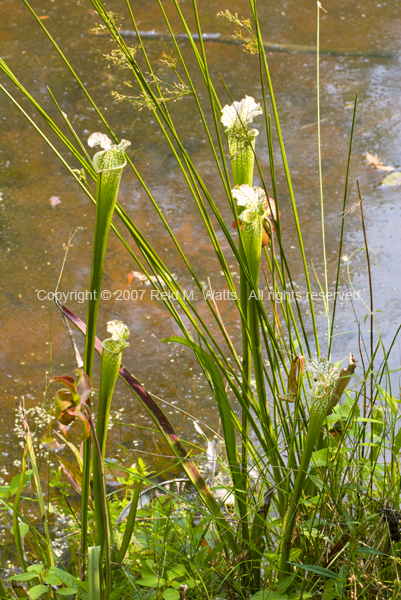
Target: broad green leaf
[
  {"x": 151, "y": 582},
  {"x": 171, "y": 594},
  {"x": 285, "y": 583},
  {"x": 23, "y": 529},
  {"x": 178, "y": 570},
  {"x": 24, "y": 576},
  {"x": 4, "y": 491},
  {"x": 330, "y": 590},
  {"x": 38, "y": 567},
  {"x": 37, "y": 590},
  {"x": 148, "y": 570},
  {"x": 51, "y": 579},
  {"x": 80, "y": 587},
  {"x": 66, "y": 591},
  {"x": 15, "y": 481},
  {"x": 321, "y": 457}
]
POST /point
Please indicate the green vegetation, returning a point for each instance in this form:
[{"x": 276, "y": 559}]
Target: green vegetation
[{"x": 306, "y": 504}]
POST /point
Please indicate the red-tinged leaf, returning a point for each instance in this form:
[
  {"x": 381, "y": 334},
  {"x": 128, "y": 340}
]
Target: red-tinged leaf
[
  {"x": 68, "y": 400},
  {"x": 66, "y": 379},
  {"x": 84, "y": 386},
  {"x": 70, "y": 384},
  {"x": 77, "y": 412},
  {"x": 63, "y": 428},
  {"x": 70, "y": 477}
]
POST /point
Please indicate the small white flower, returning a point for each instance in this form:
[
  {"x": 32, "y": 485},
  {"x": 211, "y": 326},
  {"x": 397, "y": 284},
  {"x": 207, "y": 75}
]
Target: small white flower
[
  {"x": 100, "y": 139},
  {"x": 240, "y": 115},
  {"x": 118, "y": 330},
  {"x": 253, "y": 199}
]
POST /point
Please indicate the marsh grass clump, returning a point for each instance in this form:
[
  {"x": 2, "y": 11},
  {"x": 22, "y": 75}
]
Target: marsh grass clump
[{"x": 308, "y": 506}]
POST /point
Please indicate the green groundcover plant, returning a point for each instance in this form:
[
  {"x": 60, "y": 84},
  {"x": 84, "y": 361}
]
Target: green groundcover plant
[{"x": 306, "y": 501}]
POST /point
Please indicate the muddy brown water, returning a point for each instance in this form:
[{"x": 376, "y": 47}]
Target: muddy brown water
[{"x": 33, "y": 232}]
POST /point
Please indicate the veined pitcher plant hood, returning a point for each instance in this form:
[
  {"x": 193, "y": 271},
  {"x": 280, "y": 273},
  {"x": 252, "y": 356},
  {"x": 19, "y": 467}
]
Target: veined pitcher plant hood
[
  {"x": 254, "y": 200},
  {"x": 112, "y": 156},
  {"x": 111, "y": 361},
  {"x": 237, "y": 118},
  {"x": 119, "y": 335},
  {"x": 325, "y": 375}
]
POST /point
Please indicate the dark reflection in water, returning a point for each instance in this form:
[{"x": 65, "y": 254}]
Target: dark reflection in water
[{"x": 33, "y": 232}]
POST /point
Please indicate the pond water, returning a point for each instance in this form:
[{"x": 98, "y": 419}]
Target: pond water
[{"x": 33, "y": 231}]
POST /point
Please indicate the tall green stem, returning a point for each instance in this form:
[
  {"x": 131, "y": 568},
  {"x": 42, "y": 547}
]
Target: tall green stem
[
  {"x": 326, "y": 285},
  {"x": 108, "y": 165},
  {"x": 241, "y": 142},
  {"x": 111, "y": 362}
]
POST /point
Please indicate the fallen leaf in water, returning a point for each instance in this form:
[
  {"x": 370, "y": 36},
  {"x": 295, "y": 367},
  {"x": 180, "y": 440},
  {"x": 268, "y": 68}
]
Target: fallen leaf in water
[
  {"x": 374, "y": 161},
  {"x": 392, "y": 179},
  {"x": 141, "y": 277},
  {"x": 54, "y": 200},
  {"x": 53, "y": 445},
  {"x": 136, "y": 275}
]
